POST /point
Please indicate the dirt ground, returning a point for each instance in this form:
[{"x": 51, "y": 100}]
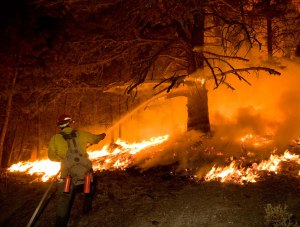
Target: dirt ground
[{"x": 154, "y": 198}]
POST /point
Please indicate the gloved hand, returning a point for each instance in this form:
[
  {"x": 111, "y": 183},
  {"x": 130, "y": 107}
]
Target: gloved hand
[{"x": 103, "y": 135}]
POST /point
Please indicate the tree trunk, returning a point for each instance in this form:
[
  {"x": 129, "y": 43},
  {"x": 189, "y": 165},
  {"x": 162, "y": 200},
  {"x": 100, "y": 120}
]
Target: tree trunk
[
  {"x": 198, "y": 116},
  {"x": 112, "y": 121},
  {"x": 297, "y": 52},
  {"x": 38, "y": 139},
  {"x": 120, "y": 125},
  {"x": 12, "y": 153},
  {"x": 269, "y": 30},
  {"x": 7, "y": 114},
  {"x": 19, "y": 156}
]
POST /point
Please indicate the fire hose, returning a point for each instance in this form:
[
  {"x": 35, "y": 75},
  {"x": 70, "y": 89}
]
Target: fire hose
[{"x": 41, "y": 206}]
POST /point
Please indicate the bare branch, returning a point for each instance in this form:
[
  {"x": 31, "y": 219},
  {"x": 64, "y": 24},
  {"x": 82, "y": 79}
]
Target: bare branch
[
  {"x": 225, "y": 56},
  {"x": 174, "y": 80},
  {"x": 222, "y": 74}
]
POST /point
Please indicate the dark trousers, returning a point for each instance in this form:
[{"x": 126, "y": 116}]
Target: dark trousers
[{"x": 66, "y": 200}]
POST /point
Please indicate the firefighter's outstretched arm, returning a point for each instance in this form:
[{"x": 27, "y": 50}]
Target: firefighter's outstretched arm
[
  {"x": 92, "y": 138},
  {"x": 102, "y": 136}
]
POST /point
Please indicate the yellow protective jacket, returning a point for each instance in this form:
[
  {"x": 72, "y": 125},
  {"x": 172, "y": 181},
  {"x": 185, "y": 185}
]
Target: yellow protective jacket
[{"x": 58, "y": 146}]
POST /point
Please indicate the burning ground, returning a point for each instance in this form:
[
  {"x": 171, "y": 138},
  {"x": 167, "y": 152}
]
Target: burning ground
[{"x": 182, "y": 180}]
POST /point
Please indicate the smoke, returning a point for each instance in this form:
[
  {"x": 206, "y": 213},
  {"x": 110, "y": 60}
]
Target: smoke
[
  {"x": 270, "y": 106},
  {"x": 158, "y": 118},
  {"x": 290, "y": 106},
  {"x": 245, "y": 120}
]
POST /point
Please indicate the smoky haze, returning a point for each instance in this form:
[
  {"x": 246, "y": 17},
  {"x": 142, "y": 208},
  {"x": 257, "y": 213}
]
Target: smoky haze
[{"x": 270, "y": 108}]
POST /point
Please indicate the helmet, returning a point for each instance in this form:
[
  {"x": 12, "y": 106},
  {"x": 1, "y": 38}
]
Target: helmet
[{"x": 64, "y": 120}]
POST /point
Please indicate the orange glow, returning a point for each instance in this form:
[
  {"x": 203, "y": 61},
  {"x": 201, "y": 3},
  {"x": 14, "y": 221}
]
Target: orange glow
[
  {"x": 255, "y": 140},
  {"x": 248, "y": 136}
]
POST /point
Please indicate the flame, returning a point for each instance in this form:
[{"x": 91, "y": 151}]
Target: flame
[
  {"x": 107, "y": 158},
  {"x": 45, "y": 168},
  {"x": 122, "y": 154},
  {"x": 234, "y": 173},
  {"x": 272, "y": 164},
  {"x": 255, "y": 140},
  {"x": 247, "y": 137}
]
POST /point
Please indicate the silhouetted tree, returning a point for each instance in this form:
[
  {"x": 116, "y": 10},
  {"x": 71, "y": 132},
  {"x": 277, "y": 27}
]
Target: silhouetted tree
[{"x": 280, "y": 19}]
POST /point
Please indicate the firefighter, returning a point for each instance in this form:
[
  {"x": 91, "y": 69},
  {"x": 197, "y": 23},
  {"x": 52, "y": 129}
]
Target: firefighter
[{"x": 69, "y": 148}]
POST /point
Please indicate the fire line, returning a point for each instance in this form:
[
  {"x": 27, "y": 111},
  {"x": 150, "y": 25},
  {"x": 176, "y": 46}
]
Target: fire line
[
  {"x": 121, "y": 156},
  {"x": 102, "y": 159}
]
